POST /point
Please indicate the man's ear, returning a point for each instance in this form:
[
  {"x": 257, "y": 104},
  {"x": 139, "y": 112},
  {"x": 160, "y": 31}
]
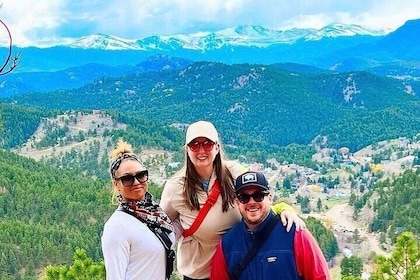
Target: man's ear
[{"x": 236, "y": 201}]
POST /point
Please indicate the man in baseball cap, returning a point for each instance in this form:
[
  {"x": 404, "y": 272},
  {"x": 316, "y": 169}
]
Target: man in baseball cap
[
  {"x": 253, "y": 185},
  {"x": 282, "y": 255}
]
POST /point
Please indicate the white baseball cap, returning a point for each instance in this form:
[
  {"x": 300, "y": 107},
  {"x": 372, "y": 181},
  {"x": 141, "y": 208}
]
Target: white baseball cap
[{"x": 201, "y": 129}]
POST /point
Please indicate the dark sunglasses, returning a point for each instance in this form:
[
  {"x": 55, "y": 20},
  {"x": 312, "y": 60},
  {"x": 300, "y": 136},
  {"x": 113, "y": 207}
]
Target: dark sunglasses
[
  {"x": 128, "y": 180},
  {"x": 257, "y": 196},
  {"x": 195, "y": 145}
]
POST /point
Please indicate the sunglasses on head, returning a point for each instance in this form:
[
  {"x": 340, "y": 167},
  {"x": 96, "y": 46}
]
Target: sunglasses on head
[
  {"x": 128, "y": 180},
  {"x": 257, "y": 196},
  {"x": 195, "y": 145}
]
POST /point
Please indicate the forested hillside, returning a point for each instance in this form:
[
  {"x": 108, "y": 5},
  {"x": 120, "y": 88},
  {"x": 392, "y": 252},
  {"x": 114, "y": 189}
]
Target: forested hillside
[
  {"x": 256, "y": 105},
  {"x": 398, "y": 204},
  {"x": 21, "y": 123},
  {"x": 46, "y": 213},
  {"x": 18, "y": 123}
]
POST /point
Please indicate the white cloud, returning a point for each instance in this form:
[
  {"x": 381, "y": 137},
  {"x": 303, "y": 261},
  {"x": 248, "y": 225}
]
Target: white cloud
[
  {"x": 29, "y": 22},
  {"x": 34, "y": 22}
]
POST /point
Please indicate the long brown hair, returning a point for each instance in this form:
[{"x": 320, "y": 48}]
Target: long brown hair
[{"x": 193, "y": 182}]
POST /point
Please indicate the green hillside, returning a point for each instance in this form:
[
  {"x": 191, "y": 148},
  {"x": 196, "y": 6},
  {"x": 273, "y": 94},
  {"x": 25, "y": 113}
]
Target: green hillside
[
  {"x": 18, "y": 123},
  {"x": 46, "y": 213},
  {"x": 397, "y": 204},
  {"x": 255, "y": 105}
]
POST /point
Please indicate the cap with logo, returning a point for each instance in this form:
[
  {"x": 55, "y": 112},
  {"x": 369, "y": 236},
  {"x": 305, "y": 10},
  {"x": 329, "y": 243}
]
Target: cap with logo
[{"x": 251, "y": 179}]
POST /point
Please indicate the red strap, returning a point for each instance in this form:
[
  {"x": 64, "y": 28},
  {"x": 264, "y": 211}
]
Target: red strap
[{"x": 211, "y": 200}]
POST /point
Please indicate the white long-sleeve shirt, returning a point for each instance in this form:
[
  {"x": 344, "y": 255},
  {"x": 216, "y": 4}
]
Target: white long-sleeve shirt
[{"x": 131, "y": 250}]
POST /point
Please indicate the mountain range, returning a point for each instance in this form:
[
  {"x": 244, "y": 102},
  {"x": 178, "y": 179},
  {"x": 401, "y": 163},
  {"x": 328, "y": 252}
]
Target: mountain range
[
  {"x": 242, "y": 35},
  {"x": 336, "y": 48}
]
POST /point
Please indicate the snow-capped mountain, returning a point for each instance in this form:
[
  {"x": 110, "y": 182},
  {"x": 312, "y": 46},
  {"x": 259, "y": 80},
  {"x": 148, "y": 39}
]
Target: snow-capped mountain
[
  {"x": 342, "y": 30},
  {"x": 336, "y": 47},
  {"x": 243, "y": 35},
  {"x": 350, "y": 46},
  {"x": 104, "y": 42}
]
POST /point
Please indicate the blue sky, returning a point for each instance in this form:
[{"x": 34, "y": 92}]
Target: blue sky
[{"x": 40, "y": 22}]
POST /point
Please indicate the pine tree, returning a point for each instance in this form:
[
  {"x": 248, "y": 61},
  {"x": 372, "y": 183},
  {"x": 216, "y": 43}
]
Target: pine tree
[
  {"x": 83, "y": 268},
  {"x": 351, "y": 266},
  {"x": 403, "y": 262}
]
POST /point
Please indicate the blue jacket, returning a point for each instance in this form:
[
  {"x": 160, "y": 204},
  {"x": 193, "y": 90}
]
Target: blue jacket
[{"x": 274, "y": 260}]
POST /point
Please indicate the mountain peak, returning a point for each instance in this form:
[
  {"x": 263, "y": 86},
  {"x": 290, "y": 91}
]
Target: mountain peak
[
  {"x": 342, "y": 30},
  {"x": 103, "y": 41},
  {"x": 251, "y": 30},
  {"x": 409, "y": 28}
]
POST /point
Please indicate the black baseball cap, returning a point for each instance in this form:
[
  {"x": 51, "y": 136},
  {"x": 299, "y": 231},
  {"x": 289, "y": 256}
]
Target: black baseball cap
[{"x": 251, "y": 179}]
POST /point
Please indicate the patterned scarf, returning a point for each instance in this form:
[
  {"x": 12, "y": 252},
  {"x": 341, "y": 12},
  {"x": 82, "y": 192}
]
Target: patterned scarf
[{"x": 148, "y": 212}]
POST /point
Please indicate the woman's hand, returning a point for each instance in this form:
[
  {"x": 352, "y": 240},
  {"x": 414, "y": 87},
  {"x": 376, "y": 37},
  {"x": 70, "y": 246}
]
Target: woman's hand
[{"x": 289, "y": 217}]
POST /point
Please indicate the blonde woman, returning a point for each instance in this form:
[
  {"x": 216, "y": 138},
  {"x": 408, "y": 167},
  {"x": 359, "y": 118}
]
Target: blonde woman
[{"x": 131, "y": 250}]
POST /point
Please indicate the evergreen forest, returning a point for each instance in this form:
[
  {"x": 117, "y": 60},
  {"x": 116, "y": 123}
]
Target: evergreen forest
[{"x": 256, "y": 107}]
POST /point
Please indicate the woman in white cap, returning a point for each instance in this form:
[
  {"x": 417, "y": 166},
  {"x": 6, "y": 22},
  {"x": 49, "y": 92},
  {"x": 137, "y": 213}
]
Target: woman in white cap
[{"x": 199, "y": 199}]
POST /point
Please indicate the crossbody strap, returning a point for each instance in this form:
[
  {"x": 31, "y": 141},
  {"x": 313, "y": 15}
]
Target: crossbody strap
[
  {"x": 164, "y": 239},
  {"x": 162, "y": 236},
  {"x": 211, "y": 200},
  {"x": 237, "y": 271}
]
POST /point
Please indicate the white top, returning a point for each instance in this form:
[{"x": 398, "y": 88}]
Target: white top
[{"x": 131, "y": 250}]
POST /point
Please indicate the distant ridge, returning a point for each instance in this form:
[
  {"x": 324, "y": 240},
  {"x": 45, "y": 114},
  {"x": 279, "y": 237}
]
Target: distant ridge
[{"x": 242, "y": 35}]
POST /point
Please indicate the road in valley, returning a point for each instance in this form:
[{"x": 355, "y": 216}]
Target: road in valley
[{"x": 343, "y": 226}]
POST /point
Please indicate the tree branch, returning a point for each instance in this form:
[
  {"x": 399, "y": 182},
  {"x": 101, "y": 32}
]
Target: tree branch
[{"x": 13, "y": 62}]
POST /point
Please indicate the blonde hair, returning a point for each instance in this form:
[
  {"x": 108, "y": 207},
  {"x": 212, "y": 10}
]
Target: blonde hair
[
  {"x": 121, "y": 148},
  {"x": 122, "y": 151}
]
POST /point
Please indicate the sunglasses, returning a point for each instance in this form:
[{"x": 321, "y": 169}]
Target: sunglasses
[
  {"x": 195, "y": 145},
  {"x": 128, "y": 180},
  {"x": 257, "y": 196}
]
